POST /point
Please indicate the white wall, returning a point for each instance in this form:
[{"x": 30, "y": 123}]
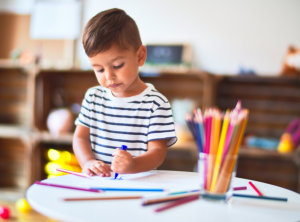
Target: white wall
[
  {"x": 16, "y": 6},
  {"x": 224, "y": 34}
]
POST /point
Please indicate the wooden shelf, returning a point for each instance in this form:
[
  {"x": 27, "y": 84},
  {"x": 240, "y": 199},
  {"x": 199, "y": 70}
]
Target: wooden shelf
[
  {"x": 13, "y": 131},
  {"x": 45, "y": 136}
]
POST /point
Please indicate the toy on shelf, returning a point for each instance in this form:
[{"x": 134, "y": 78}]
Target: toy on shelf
[
  {"x": 262, "y": 142},
  {"x": 291, "y": 62},
  {"x": 60, "y": 159},
  {"x": 290, "y": 139},
  {"x": 60, "y": 121}
]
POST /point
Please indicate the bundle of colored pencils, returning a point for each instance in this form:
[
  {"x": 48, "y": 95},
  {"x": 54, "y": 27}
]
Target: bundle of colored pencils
[{"x": 218, "y": 137}]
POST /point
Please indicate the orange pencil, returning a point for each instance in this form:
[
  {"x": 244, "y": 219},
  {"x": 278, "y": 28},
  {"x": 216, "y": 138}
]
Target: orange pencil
[{"x": 220, "y": 149}]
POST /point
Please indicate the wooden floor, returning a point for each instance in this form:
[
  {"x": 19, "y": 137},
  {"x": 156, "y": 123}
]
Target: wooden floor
[{"x": 8, "y": 199}]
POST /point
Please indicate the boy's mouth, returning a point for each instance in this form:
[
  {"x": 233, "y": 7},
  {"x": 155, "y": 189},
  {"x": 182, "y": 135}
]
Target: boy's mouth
[{"x": 115, "y": 85}]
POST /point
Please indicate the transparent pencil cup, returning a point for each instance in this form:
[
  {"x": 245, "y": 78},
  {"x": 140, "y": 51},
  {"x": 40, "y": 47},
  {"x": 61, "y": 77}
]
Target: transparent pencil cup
[{"x": 216, "y": 175}]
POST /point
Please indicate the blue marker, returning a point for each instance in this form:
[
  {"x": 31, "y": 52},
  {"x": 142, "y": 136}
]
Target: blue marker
[{"x": 123, "y": 147}]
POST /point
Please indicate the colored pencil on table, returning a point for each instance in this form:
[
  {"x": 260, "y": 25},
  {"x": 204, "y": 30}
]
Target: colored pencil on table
[
  {"x": 255, "y": 188},
  {"x": 261, "y": 197},
  {"x": 72, "y": 172},
  {"x": 239, "y": 188},
  {"x": 149, "y": 201},
  {"x": 102, "y": 198},
  {"x": 128, "y": 189},
  {"x": 176, "y": 203},
  {"x": 67, "y": 187}
]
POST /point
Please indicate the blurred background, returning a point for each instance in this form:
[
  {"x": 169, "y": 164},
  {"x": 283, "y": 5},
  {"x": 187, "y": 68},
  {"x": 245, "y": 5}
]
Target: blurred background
[{"x": 200, "y": 54}]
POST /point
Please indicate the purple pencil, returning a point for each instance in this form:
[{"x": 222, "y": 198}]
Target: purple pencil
[{"x": 67, "y": 187}]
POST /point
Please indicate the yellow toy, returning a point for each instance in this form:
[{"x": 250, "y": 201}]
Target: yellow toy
[
  {"x": 290, "y": 139},
  {"x": 286, "y": 144},
  {"x": 23, "y": 206}
]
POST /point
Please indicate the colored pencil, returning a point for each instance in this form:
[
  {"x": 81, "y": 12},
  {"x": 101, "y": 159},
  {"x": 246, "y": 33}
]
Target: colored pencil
[
  {"x": 231, "y": 157},
  {"x": 211, "y": 150},
  {"x": 68, "y": 187},
  {"x": 220, "y": 149},
  {"x": 255, "y": 188},
  {"x": 239, "y": 188},
  {"x": 102, "y": 198},
  {"x": 123, "y": 147},
  {"x": 176, "y": 203},
  {"x": 167, "y": 198},
  {"x": 218, "y": 155},
  {"x": 128, "y": 189},
  {"x": 200, "y": 118},
  {"x": 72, "y": 172},
  {"x": 261, "y": 197}
]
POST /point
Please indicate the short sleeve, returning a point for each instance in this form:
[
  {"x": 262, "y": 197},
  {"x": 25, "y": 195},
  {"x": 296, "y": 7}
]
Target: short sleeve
[{"x": 162, "y": 124}]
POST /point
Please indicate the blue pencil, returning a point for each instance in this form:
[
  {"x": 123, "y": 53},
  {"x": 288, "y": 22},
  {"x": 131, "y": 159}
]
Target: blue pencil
[
  {"x": 129, "y": 189},
  {"x": 124, "y": 147},
  {"x": 261, "y": 197}
]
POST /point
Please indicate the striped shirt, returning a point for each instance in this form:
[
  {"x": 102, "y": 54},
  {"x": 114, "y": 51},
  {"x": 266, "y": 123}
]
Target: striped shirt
[{"x": 131, "y": 121}]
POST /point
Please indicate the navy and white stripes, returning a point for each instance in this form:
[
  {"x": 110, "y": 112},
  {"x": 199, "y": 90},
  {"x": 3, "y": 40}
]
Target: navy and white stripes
[{"x": 131, "y": 121}]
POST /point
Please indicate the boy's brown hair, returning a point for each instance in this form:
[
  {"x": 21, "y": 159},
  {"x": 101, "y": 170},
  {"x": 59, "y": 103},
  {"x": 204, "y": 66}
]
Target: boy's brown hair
[{"x": 110, "y": 27}]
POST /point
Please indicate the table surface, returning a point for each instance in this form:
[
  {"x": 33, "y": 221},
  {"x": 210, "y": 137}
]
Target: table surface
[{"x": 49, "y": 200}]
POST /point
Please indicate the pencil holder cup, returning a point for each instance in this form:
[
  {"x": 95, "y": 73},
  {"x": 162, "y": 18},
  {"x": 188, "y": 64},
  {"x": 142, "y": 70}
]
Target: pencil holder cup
[{"x": 216, "y": 175}]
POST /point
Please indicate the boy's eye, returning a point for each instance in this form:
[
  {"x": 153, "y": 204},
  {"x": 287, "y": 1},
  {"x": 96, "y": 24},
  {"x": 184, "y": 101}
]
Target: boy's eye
[
  {"x": 100, "y": 70},
  {"x": 118, "y": 66}
]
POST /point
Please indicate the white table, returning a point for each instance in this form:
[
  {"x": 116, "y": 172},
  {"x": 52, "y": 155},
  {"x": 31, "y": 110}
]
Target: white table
[{"x": 49, "y": 201}]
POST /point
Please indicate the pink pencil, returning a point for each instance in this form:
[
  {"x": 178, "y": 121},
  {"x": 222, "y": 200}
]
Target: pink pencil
[
  {"x": 255, "y": 188},
  {"x": 67, "y": 187},
  {"x": 72, "y": 172}
]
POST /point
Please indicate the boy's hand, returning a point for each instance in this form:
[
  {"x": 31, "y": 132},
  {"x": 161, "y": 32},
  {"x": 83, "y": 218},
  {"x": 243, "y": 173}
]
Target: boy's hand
[
  {"x": 96, "y": 167},
  {"x": 123, "y": 161}
]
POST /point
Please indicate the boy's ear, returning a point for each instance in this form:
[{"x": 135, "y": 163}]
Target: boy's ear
[{"x": 142, "y": 55}]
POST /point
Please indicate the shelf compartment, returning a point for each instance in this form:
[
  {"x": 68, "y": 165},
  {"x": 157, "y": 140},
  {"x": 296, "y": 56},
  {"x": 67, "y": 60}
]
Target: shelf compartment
[
  {"x": 14, "y": 96},
  {"x": 57, "y": 89},
  {"x": 14, "y": 163}
]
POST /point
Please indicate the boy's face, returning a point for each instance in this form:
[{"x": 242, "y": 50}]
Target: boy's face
[{"x": 117, "y": 70}]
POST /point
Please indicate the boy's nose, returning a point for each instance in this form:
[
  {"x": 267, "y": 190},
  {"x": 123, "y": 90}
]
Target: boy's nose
[{"x": 109, "y": 75}]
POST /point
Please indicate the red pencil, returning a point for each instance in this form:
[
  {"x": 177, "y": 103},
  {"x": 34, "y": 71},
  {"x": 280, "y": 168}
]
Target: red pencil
[
  {"x": 255, "y": 188},
  {"x": 176, "y": 203}
]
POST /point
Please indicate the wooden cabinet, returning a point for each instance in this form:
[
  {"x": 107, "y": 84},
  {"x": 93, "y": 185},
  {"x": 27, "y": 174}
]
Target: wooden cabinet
[
  {"x": 27, "y": 99},
  {"x": 16, "y": 92}
]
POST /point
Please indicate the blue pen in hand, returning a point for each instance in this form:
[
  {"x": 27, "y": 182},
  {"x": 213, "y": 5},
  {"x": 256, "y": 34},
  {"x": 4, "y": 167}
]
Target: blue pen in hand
[{"x": 123, "y": 147}]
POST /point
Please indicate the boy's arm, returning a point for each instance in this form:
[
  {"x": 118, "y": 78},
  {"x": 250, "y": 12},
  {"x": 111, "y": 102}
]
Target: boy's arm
[
  {"x": 153, "y": 158},
  {"x": 84, "y": 154},
  {"x": 81, "y": 145}
]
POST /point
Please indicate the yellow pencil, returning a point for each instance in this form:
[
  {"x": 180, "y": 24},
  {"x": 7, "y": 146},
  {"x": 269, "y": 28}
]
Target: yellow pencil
[{"x": 220, "y": 149}]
